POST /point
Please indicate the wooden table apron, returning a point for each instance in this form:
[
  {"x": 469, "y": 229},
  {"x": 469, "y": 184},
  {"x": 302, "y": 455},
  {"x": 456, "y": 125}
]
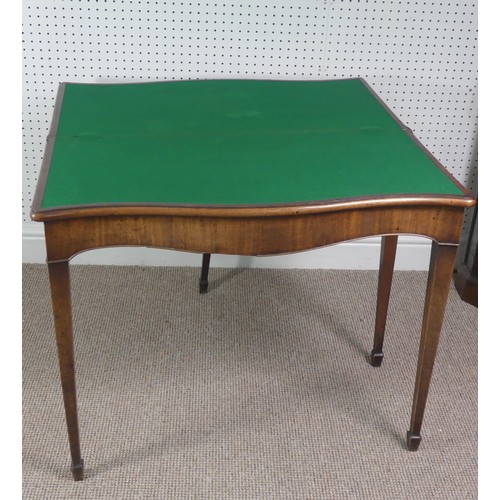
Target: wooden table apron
[
  {"x": 247, "y": 231},
  {"x": 258, "y": 231}
]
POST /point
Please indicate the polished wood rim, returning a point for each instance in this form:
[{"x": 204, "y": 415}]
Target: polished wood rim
[{"x": 272, "y": 210}]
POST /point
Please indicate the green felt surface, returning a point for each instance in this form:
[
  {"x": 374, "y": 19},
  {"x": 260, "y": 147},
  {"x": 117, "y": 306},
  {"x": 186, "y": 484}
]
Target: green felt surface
[{"x": 232, "y": 142}]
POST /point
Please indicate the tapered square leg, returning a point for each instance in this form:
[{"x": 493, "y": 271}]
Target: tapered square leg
[
  {"x": 61, "y": 305},
  {"x": 387, "y": 258},
  {"x": 438, "y": 287},
  {"x": 205, "y": 264}
]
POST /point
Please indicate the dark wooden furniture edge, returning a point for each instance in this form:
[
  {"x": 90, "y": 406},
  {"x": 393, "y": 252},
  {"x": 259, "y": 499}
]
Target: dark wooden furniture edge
[
  {"x": 466, "y": 275},
  {"x": 466, "y": 284}
]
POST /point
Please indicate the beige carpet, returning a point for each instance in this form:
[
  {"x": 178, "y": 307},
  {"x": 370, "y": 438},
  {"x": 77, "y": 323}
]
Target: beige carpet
[{"x": 258, "y": 390}]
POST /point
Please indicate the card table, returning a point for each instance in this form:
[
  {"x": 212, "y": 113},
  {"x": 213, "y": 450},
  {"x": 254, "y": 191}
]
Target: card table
[{"x": 242, "y": 167}]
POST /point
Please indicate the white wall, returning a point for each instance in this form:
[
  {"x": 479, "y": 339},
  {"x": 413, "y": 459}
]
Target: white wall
[{"x": 420, "y": 56}]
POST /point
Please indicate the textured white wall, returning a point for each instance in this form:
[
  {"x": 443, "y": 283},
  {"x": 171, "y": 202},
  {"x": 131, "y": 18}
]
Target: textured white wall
[{"x": 420, "y": 56}]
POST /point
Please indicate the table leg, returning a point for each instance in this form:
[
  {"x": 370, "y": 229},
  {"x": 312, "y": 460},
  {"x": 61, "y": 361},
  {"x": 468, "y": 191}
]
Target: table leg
[
  {"x": 438, "y": 286},
  {"x": 387, "y": 257},
  {"x": 61, "y": 303},
  {"x": 204, "y": 273}
]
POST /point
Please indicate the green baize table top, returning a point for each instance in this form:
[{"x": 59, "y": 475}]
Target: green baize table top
[{"x": 232, "y": 142}]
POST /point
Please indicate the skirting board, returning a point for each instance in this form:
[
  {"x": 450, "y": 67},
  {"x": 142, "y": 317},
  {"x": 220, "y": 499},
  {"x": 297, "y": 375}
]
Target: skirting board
[{"x": 413, "y": 255}]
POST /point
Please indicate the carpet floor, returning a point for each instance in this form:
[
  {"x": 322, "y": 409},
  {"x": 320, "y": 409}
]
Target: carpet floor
[{"x": 259, "y": 389}]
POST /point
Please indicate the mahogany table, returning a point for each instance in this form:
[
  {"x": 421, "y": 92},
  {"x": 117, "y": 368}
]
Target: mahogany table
[{"x": 242, "y": 167}]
